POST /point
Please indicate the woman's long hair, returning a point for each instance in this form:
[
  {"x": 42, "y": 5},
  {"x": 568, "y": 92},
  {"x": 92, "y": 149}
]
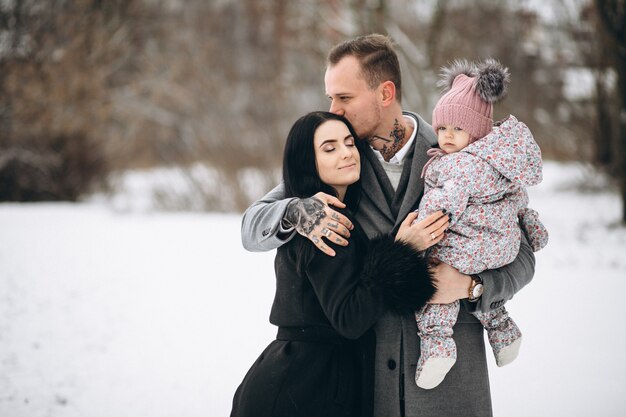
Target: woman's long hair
[{"x": 300, "y": 174}]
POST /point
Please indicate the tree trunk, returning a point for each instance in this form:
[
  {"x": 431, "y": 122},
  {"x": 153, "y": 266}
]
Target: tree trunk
[
  {"x": 613, "y": 17},
  {"x": 621, "y": 154}
]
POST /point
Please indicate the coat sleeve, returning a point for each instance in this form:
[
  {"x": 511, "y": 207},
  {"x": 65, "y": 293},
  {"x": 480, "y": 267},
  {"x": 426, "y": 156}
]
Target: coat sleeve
[
  {"x": 261, "y": 222},
  {"x": 355, "y": 289}
]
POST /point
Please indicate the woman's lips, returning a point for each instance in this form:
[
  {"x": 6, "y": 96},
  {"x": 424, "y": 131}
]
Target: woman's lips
[{"x": 349, "y": 166}]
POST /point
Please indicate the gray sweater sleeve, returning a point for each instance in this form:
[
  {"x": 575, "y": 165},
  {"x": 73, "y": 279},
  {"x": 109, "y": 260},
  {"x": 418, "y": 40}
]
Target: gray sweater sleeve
[
  {"x": 261, "y": 223},
  {"x": 500, "y": 285}
]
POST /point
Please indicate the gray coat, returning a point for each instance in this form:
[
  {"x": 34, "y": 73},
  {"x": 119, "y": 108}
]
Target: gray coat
[{"x": 465, "y": 390}]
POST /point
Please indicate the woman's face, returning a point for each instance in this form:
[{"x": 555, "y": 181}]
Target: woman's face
[
  {"x": 351, "y": 97},
  {"x": 337, "y": 158}
]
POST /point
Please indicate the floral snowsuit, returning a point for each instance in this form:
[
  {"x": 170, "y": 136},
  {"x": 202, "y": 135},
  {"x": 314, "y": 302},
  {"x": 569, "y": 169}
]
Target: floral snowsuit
[{"x": 482, "y": 188}]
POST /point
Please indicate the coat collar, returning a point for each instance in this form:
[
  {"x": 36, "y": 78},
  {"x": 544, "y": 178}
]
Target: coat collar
[
  {"x": 372, "y": 186},
  {"x": 424, "y": 140},
  {"x": 415, "y": 187}
]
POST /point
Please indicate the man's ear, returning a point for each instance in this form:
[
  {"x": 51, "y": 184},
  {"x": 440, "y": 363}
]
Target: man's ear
[{"x": 388, "y": 92}]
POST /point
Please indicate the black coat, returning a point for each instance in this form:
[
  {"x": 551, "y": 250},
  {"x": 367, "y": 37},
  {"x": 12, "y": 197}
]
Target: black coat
[{"x": 321, "y": 363}]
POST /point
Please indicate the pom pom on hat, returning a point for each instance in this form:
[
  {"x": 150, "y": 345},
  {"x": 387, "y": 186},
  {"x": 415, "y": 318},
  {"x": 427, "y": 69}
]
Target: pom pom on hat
[
  {"x": 469, "y": 93},
  {"x": 492, "y": 80},
  {"x": 449, "y": 74}
]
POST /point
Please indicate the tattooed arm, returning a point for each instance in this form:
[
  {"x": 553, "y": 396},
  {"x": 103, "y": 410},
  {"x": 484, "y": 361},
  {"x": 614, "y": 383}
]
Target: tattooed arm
[{"x": 270, "y": 222}]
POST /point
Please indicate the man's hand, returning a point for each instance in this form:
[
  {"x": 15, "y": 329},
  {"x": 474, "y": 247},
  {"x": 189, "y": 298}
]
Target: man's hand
[
  {"x": 313, "y": 218},
  {"x": 451, "y": 284},
  {"x": 424, "y": 234}
]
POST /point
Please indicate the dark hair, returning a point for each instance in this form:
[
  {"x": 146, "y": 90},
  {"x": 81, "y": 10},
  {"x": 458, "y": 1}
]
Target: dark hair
[
  {"x": 377, "y": 57},
  {"x": 300, "y": 174}
]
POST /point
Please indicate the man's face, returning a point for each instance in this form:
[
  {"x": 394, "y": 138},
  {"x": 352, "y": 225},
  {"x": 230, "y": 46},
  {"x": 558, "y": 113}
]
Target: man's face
[{"x": 351, "y": 97}]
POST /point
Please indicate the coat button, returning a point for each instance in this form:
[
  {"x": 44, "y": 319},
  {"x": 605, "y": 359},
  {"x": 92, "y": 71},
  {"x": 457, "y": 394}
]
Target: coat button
[{"x": 391, "y": 364}]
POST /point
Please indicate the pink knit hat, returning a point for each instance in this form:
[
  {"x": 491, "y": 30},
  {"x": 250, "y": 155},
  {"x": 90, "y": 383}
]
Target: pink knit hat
[{"x": 472, "y": 90}]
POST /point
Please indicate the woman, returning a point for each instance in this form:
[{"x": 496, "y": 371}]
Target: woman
[{"x": 321, "y": 361}]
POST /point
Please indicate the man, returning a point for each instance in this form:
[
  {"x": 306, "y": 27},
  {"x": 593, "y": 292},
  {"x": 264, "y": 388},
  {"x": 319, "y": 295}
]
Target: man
[{"x": 363, "y": 83}]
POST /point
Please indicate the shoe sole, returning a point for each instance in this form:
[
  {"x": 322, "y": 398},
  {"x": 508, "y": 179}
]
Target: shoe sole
[
  {"x": 434, "y": 371},
  {"x": 509, "y": 353}
]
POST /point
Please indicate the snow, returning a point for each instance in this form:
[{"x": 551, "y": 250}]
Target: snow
[{"x": 112, "y": 314}]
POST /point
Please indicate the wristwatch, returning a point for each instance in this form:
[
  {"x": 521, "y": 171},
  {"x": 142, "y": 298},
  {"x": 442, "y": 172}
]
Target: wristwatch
[{"x": 475, "y": 289}]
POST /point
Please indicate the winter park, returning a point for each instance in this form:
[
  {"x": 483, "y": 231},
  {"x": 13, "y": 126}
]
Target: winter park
[
  {"x": 173, "y": 324},
  {"x": 134, "y": 135}
]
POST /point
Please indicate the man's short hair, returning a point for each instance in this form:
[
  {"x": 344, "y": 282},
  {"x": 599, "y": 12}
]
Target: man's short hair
[{"x": 377, "y": 57}]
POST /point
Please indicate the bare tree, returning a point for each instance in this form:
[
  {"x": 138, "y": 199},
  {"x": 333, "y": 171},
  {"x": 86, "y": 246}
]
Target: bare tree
[
  {"x": 613, "y": 17},
  {"x": 211, "y": 88},
  {"x": 61, "y": 60},
  {"x": 219, "y": 92}
]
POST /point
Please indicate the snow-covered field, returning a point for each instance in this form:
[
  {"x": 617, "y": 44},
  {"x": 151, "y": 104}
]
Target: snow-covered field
[{"x": 132, "y": 314}]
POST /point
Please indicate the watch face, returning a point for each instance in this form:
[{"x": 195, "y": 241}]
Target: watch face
[{"x": 478, "y": 291}]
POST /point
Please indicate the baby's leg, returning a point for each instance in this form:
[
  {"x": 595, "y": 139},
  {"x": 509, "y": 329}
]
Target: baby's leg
[
  {"x": 503, "y": 334},
  {"x": 438, "y": 350}
]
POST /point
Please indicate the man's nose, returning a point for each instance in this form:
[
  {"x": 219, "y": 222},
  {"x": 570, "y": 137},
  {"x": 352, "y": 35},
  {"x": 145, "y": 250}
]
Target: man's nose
[{"x": 336, "y": 108}]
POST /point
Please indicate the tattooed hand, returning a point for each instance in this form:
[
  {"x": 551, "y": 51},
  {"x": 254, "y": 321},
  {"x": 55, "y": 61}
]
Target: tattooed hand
[{"x": 313, "y": 218}]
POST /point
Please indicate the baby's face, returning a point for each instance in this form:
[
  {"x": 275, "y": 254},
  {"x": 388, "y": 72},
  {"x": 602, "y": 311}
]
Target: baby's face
[{"x": 452, "y": 139}]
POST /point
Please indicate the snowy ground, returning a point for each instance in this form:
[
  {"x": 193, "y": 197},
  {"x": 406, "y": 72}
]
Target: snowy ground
[{"x": 113, "y": 314}]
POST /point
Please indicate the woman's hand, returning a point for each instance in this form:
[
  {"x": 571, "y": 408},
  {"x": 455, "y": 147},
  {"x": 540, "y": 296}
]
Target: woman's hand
[{"x": 424, "y": 234}]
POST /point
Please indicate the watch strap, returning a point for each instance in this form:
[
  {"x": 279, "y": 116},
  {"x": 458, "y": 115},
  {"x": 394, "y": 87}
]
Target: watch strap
[{"x": 475, "y": 281}]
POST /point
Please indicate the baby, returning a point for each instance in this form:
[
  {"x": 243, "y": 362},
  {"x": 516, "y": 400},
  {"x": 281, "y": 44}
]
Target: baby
[{"x": 478, "y": 176}]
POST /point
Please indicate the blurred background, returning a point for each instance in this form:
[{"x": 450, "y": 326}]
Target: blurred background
[
  {"x": 133, "y": 133},
  {"x": 203, "y": 92}
]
